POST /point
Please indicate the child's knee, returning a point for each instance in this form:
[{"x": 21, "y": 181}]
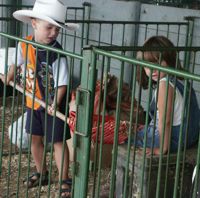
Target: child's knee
[
  {"x": 59, "y": 145},
  {"x": 36, "y": 140}
]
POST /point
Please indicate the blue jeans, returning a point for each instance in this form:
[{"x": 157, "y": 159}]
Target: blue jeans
[{"x": 153, "y": 138}]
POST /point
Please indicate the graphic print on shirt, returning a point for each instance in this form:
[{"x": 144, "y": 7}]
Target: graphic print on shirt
[
  {"x": 29, "y": 77},
  {"x": 46, "y": 79}
]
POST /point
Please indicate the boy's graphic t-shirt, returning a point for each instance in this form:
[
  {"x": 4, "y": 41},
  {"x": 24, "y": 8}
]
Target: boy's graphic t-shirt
[{"x": 44, "y": 71}]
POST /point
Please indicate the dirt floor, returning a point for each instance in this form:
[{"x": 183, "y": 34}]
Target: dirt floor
[{"x": 15, "y": 165}]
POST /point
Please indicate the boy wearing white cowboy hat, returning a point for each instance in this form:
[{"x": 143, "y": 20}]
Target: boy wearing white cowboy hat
[{"x": 46, "y": 18}]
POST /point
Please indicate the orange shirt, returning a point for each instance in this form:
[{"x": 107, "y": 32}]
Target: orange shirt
[{"x": 29, "y": 53}]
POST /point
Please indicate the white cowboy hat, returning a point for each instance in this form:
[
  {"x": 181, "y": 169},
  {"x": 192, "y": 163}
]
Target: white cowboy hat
[{"x": 52, "y": 11}]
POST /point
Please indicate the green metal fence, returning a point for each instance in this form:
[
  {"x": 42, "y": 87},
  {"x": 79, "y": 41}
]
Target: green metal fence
[
  {"x": 96, "y": 32},
  {"x": 104, "y": 168},
  {"x": 141, "y": 175},
  {"x": 174, "y": 3},
  {"x": 127, "y": 33},
  {"x": 16, "y": 162},
  {"x": 131, "y": 172},
  {"x": 118, "y": 33}
]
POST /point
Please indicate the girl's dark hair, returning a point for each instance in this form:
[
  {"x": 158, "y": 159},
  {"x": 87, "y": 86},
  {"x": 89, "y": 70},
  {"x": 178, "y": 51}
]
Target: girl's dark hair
[{"x": 158, "y": 54}]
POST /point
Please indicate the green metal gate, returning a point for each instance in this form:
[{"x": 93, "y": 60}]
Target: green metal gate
[
  {"x": 123, "y": 168},
  {"x": 167, "y": 175},
  {"x": 96, "y": 66}
]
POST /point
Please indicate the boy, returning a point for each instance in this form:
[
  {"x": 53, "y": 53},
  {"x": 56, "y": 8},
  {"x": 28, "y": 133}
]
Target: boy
[{"x": 46, "y": 18}]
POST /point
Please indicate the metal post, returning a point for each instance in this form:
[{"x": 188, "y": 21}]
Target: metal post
[{"x": 82, "y": 137}]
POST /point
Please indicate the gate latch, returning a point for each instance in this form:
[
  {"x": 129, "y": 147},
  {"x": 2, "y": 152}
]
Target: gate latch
[{"x": 82, "y": 111}]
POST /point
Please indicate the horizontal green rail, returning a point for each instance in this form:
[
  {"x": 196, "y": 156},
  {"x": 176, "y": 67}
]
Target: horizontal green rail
[
  {"x": 174, "y": 3},
  {"x": 127, "y": 22},
  {"x": 66, "y": 53},
  {"x": 140, "y": 48},
  {"x": 15, "y": 6},
  {"x": 184, "y": 74}
]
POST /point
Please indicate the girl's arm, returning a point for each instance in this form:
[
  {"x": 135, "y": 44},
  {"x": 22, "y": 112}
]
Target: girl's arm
[{"x": 165, "y": 116}]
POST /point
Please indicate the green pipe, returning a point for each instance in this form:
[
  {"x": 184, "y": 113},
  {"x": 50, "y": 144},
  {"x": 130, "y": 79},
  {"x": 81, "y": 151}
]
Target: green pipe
[
  {"x": 66, "y": 53},
  {"x": 168, "y": 70}
]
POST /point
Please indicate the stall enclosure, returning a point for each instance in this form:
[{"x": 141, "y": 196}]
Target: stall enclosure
[{"x": 128, "y": 173}]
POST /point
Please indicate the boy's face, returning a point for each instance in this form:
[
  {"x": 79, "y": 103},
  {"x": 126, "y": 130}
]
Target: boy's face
[{"x": 44, "y": 32}]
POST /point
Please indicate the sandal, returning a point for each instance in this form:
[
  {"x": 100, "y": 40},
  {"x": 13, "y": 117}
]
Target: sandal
[
  {"x": 67, "y": 181},
  {"x": 34, "y": 180},
  {"x": 65, "y": 190}
]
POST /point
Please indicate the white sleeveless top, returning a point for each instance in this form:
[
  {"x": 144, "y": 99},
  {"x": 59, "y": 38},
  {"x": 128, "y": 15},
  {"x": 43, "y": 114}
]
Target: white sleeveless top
[{"x": 178, "y": 104}]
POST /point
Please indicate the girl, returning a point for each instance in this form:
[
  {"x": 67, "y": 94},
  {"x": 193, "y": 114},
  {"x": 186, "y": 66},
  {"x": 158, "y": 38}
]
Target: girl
[{"x": 162, "y": 111}]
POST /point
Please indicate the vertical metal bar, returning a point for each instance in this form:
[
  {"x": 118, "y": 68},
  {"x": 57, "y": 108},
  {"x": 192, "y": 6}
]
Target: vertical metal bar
[
  {"x": 178, "y": 33},
  {"x": 53, "y": 129},
  {"x": 168, "y": 27},
  {"x": 154, "y": 127},
  {"x": 169, "y": 145},
  {"x": 43, "y": 163},
  {"x": 196, "y": 178},
  {"x": 83, "y": 28},
  {"x": 145, "y": 34},
  {"x": 180, "y": 142},
  {"x": 187, "y": 107},
  {"x": 196, "y": 181},
  {"x": 157, "y": 29},
  {"x": 123, "y": 34},
  {"x": 83, "y": 143},
  {"x": 145, "y": 138},
  {"x": 111, "y": 34},
  {"x": 135, "y": 135},
  {"x": 3, "y": 117},
  {"x": 117, "y": 123},
  {"x": 130, "y": 135},
  {"x": 99, "y": 39},
  {"x": 162, "y": 141},
  {"x": 189, "y": 37},
  {"x": 31, "y": 123},
  {"x": 107, "y": 66},
  {"x": 23, "y": 110},
  {"x": 88, "y": 24},
  {"x": 188, "y": 114},
  {"x": 98, "y": 133},
  {"x": 74, "y": 43},
  {"x": 10, "y": 144}
]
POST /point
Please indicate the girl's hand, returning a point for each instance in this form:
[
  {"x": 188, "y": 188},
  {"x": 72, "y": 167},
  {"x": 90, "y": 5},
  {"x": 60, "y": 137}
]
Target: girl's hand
[
  {"x": 149, "y": 151},
  {"x": 156, "y": 151},
  {"x": 140, "y": 127}
]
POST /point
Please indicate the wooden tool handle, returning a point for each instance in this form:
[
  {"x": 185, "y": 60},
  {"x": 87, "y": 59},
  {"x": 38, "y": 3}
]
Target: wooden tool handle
[{"x": 42, "y": 103}]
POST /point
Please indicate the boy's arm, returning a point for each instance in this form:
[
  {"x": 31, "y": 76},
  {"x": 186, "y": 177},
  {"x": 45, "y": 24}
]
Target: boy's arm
[
  {"x": 10, "y": 75},
  {"x": 60, "y": 94},
  {"x": 57, "y": 101}
]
